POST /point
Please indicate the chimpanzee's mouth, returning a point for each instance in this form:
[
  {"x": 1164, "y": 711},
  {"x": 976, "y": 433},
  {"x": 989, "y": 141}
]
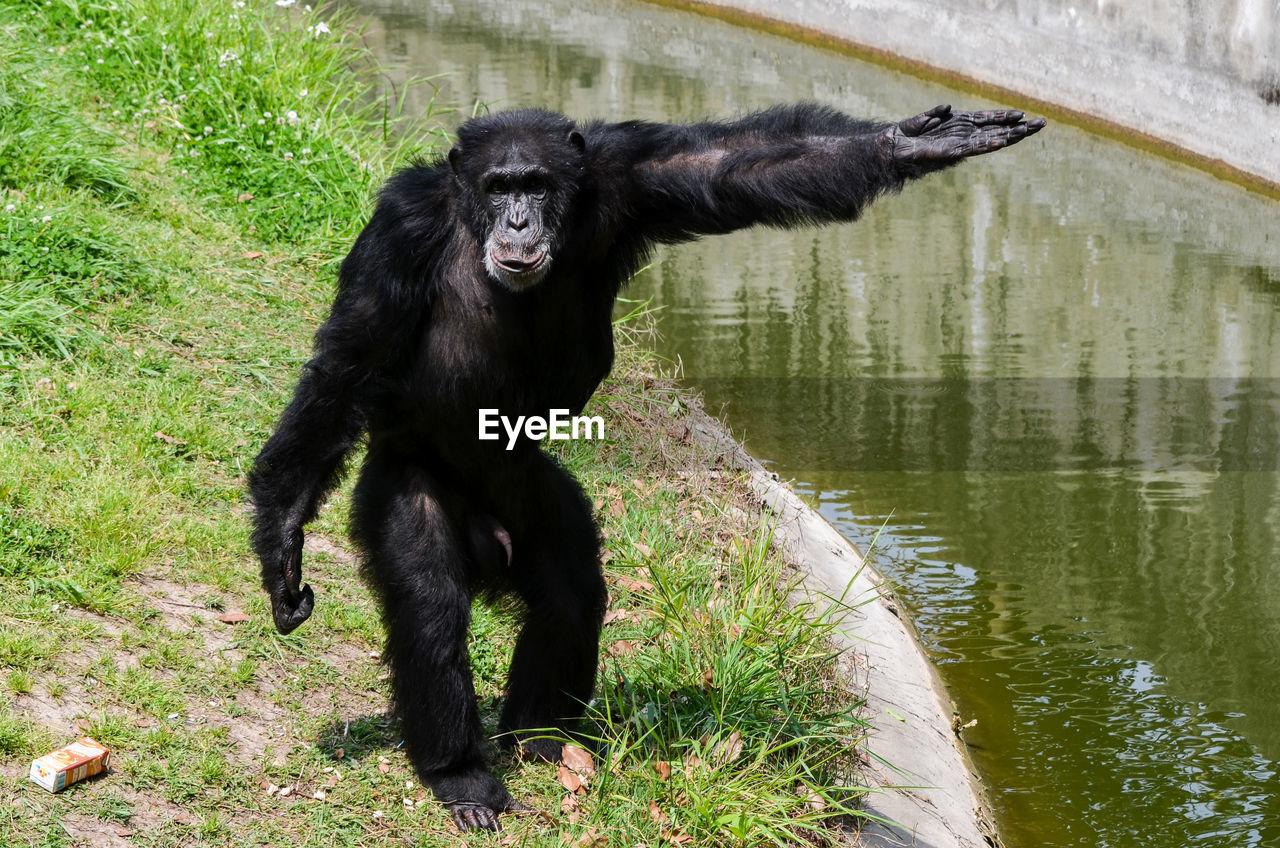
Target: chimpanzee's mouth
[{"x": 519, "y": 266}]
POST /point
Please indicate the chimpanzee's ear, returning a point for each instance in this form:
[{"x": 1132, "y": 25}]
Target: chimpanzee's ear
[
  {"x": 576, "y": 139},
  {"x": 455, "y": 160}
]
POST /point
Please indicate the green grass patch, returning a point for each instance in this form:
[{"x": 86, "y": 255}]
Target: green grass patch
[{"x": 177, "y": 183}]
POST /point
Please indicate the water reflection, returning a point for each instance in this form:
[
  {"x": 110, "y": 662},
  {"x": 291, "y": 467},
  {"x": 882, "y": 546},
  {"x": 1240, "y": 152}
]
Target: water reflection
[
  {"x": 1158, "y": 425},
  {"x": 1052, "y": 372}
]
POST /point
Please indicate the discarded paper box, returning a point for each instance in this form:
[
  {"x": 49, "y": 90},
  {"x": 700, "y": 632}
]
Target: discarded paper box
[{"x": 58, "y": 770}]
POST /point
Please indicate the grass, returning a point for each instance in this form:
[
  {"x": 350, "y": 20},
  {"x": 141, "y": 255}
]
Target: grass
[{"x": 178, "y": 180}]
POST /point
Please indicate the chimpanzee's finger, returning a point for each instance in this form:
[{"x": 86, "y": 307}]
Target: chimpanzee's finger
[
  {"x": 925, "y": 121},
  {"x": 991, "y": 117}
]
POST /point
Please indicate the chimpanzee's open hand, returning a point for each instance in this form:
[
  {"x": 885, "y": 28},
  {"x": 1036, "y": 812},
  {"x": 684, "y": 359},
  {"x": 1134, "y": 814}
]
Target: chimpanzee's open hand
[{"x": 938, "y": 138}]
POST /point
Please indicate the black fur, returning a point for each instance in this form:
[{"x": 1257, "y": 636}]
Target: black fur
[{"x": 487, "y": 280}]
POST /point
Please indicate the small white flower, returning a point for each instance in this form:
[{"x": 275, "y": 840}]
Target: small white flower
[
  {"x": 303, "y": 93},
  {"x": 9, "y": 207},
  {"x": 288, "y": 157},
  {"x": 208, "y": 130},
  {"x": 46, "y": 219},
  {"x": 227, "y": 58},
  {"x": 321, "y": 28},
  {"x": 294, "y": 120},
  {"x": 284, "y": 4}
]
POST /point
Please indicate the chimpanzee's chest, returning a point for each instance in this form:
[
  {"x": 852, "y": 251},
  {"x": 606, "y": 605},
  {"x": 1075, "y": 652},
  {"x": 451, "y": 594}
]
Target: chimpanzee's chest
[{"x": 522, "y": 353}]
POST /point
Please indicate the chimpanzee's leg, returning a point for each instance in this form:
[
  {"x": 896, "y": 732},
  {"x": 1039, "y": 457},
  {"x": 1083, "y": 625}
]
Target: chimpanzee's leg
[
  {"x": 556, "y": 569},
  {"x": 412, "y": 531}
]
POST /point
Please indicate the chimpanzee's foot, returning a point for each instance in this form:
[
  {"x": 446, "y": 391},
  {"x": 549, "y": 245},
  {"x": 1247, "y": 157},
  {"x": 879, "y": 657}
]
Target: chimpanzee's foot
[{"x": 474, "y": 798}]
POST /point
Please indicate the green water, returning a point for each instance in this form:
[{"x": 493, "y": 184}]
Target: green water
[{"x": 1051, "y": 372}]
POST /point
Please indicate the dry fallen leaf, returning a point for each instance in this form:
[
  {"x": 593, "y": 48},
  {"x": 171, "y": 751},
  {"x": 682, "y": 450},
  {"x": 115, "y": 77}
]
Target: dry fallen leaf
[
  {"x": 578, "y": 760},
  {"x": 617, "y": 508},
  {"x": 620, "y": 648},
  {"x": 569, "y": 780},
  {"x": 167, "y": 439},
  {"x": 251, "y": 254},
  {"x": 663, "y": 768},
  {"x": 616, "y": 615},
  {"x": 244, "y": 198},
  {"x": 655, "y": 812},
  {"x": 569, "y": 807},
  {"x": 233, "y": 617},
  {"x": 639, "y": 586},
  {"x": 644, "y": 549},
  {"x": 384, "y": 767},
  {"x": 593, "y": 839},
  {"x": 728, "y": 750}
]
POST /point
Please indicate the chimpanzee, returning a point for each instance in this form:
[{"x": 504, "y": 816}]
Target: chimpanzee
[{"x": 486, "y": 280}]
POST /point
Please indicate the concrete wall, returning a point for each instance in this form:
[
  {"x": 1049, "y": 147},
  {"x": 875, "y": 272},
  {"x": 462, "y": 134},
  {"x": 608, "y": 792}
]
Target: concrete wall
[{"x": 1199, "y": 75}]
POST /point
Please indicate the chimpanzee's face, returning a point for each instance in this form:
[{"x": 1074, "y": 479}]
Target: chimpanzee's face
[{"x": 521, "y": 188}]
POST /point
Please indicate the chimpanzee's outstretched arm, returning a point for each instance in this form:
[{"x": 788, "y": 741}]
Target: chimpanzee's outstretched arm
[
  {"x": 793, "y": 165},
  {"x": 375, "y": 316}
]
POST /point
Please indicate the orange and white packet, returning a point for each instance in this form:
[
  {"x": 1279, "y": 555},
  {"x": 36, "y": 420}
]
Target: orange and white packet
[{"x": 59, "y": 769}]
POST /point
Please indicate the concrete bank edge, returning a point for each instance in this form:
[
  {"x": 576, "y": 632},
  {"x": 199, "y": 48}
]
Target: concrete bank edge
[{"x": 929, "y": 795}]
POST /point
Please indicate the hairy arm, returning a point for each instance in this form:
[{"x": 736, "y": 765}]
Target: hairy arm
[
  {"x": 794, "y": 165},
  {"x": 376, "y": 316}
]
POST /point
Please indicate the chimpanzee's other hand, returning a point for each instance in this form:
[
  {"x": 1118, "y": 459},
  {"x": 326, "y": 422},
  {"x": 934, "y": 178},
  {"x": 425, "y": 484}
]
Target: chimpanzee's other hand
[{"x": 291, "y": 601}]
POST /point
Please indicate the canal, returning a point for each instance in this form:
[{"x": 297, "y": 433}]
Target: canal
[{"x": 1049, "y": 374}]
